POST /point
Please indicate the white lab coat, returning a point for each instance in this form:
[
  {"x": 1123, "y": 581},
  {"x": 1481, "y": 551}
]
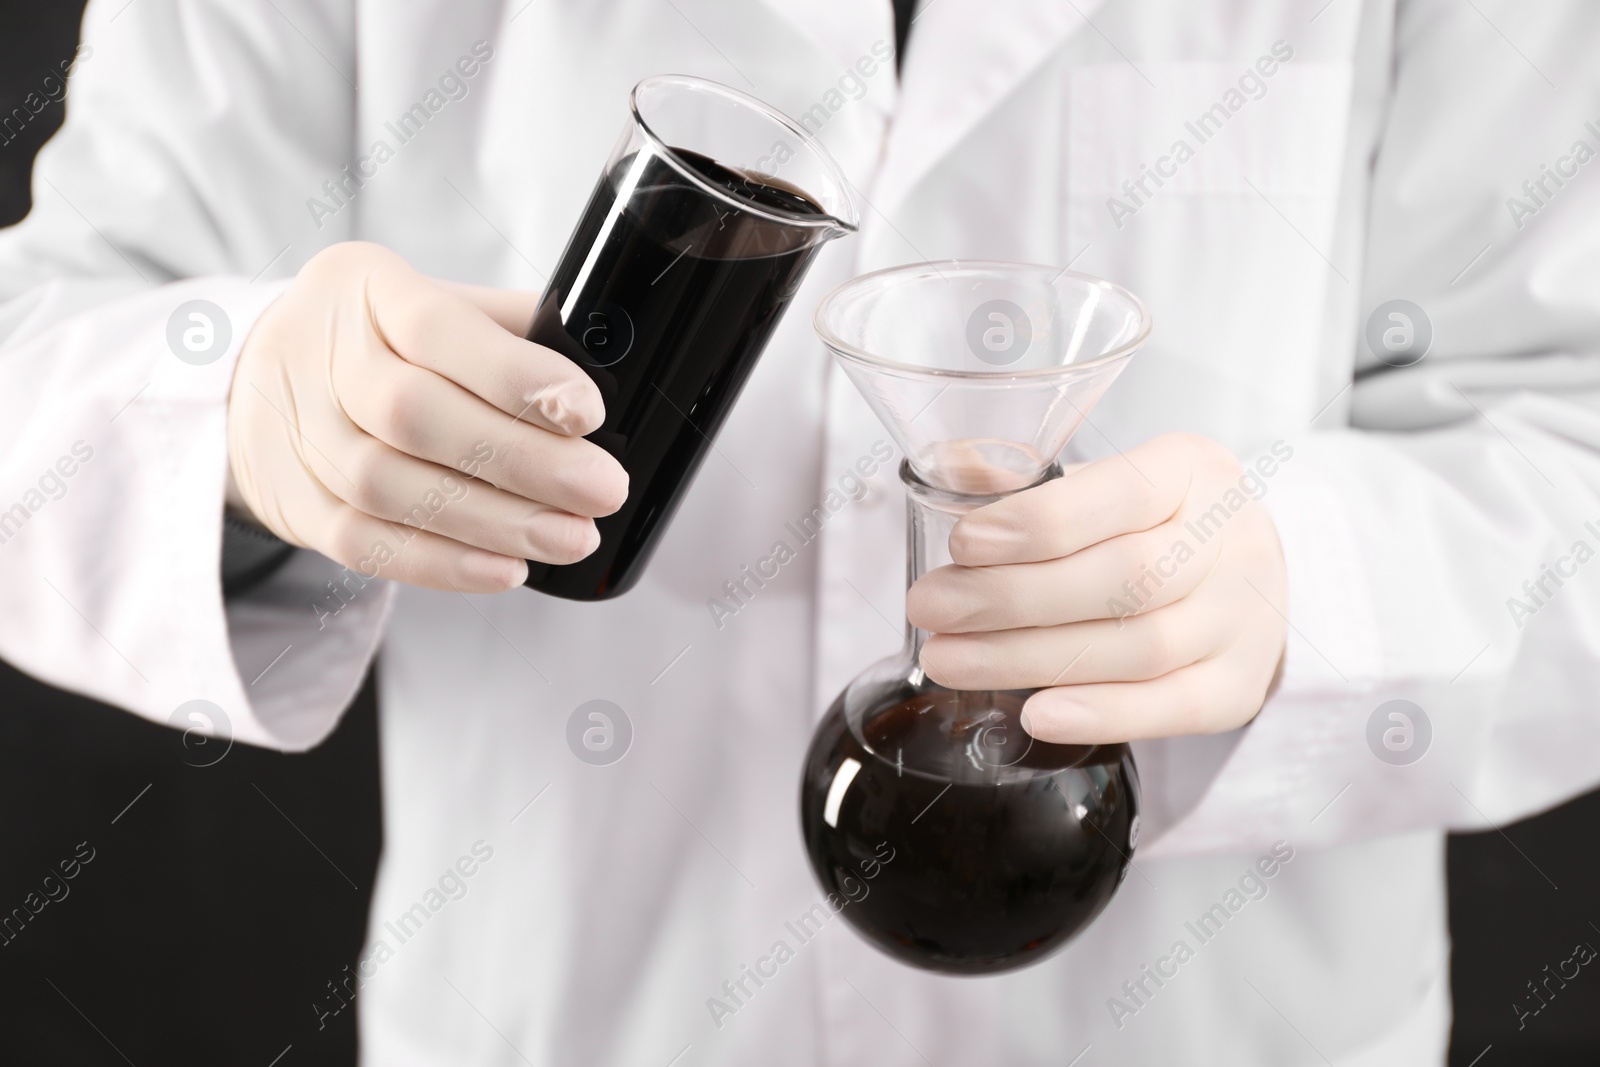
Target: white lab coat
[{"x": 1375, "y": 165}]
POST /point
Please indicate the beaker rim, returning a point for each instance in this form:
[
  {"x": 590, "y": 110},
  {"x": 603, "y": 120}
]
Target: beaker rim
[
  {"x": 823, "y": 221},
  {"x": 846, "y": 350}
]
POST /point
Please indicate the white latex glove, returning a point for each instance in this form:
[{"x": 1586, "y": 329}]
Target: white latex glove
[
  {"x": 401, "y": 426},
  {"x": 1036, "y": 597}
]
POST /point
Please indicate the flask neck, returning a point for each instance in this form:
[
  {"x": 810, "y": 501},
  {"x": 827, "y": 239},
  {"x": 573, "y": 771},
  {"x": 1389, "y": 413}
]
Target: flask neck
[{"x": 931, "y": 513}]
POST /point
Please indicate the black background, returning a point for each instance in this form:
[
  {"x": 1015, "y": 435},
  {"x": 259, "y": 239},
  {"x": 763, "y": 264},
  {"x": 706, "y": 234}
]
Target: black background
[{"x": 220, "y": 904}]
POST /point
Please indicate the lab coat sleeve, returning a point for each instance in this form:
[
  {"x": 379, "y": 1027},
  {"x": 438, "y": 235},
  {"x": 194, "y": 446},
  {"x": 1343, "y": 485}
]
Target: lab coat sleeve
[
  {"x": 195, "y": 134},
  {"x": 1443, "y": 548}
]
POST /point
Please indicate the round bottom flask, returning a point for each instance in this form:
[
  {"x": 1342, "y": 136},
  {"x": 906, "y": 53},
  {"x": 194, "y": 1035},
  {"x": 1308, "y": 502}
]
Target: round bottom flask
[
  {"x": 980, "y": 867},
  {"x": 940, "y": 830},
  {"x": 955, "y": 841}
]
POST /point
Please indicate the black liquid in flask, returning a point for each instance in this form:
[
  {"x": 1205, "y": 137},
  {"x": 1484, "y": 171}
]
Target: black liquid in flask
[
  {"x": 1000, "y": 848},
  {"x": 666, "y": 295},
  {"x": 961, "y": 844}
]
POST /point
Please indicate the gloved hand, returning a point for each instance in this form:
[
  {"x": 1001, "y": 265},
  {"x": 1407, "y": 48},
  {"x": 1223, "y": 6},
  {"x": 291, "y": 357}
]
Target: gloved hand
[
  {"x": 1079, "y": 586},
  {"x": 401, "y": 426}
]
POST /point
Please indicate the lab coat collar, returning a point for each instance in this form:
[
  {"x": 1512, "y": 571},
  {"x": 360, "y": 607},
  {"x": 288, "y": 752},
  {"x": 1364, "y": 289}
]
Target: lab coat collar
[
  {"x": 965, "y": 57},
  {"x": 843, "y": 28}
]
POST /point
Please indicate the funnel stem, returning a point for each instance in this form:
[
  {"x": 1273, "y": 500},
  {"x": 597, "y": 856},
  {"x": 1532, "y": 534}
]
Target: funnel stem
[
  {"x": 927, "y": 546},
  {"x": 931, "y": 513}
]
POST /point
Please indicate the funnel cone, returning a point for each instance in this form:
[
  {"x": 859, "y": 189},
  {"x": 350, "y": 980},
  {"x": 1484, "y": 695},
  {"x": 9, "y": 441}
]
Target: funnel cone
[{"x": 981, "y": 372}]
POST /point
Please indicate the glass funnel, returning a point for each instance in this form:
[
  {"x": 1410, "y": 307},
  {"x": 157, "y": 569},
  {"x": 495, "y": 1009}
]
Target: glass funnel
[{"x": 987, "y": 850}]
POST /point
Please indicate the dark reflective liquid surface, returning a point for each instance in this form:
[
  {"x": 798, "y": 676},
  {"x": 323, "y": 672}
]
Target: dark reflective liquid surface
[
  {"x": 666, "y": 296},
  {"x": 1003, "y": 847}
]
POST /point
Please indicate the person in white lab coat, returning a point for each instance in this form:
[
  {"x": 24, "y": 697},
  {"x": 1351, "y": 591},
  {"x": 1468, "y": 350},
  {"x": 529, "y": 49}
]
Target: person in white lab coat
[{"x": 1268, "y": 177}]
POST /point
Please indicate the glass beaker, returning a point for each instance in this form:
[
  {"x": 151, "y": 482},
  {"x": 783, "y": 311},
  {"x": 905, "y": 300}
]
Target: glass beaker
[
  {"x": 705, "y": 220},
  {"x": 988, "y": 850}
]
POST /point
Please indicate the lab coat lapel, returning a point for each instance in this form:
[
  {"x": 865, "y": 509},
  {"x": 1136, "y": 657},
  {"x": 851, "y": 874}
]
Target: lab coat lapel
[
  {"x": 843, "y": 28},
  {"x": 965, "y": 56}
]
